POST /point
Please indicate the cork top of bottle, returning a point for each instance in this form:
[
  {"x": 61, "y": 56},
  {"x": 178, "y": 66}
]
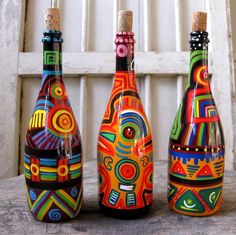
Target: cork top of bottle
[
  {"x": 199, "y": 21},
  {"x": 125, "y": 20},
  {"x": 52, "y": 19}
]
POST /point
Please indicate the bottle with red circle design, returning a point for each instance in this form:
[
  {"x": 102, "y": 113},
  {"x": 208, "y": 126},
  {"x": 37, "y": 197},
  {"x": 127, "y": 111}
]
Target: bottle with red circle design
[
  {"x": 196, "y": 148},
  {"x": 125, "y": 150},
  {"x": 53, "y": 152}
]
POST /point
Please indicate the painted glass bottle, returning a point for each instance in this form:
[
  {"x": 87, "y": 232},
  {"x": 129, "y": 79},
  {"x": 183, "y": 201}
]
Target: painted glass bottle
[
  {"x": 53, "y": 151},
  {"x": 196, "y": 147},
  {"x": 125, "y": 142}
]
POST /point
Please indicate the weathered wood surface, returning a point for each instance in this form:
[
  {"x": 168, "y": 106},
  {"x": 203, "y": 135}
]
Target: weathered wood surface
[
  {"x": 103, "y": 63},
  {"x": 15, "y": 217},
  {"x": 10, "y": 18},
  {"x": 223, "y": 80}
]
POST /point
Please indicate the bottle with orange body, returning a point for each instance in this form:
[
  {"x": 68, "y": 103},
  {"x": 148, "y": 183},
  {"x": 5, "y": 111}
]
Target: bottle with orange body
[{"x": 125, "y": 142}]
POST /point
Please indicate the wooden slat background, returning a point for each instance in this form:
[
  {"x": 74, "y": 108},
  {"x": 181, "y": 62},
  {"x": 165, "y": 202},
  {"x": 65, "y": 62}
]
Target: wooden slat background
[{"x": 89, "y": 62}]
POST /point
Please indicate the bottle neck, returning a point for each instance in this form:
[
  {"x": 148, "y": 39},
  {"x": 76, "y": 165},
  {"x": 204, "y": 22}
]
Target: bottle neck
[
  {"x": 125, "y": 51},
  {"x": 52, "y": 53},
  {"x": 198, "y": 74}
]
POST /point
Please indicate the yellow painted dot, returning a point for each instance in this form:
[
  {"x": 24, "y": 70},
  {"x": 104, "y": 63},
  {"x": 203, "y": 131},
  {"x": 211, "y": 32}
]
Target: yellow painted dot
[
  {"x": 218, "y": 148},
  {"x": 212, "y": 150},
  {"x": 205, "y": 149},
  {"x": 196, "y": 149},
  {"x": 178, "y": 148},
  {"x": 187, "y": 149},
  {"x": 173, "y": 146}
]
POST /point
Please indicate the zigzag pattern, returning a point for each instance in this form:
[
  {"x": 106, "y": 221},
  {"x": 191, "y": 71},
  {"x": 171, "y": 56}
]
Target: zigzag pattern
[{"x": 55, "y": 205}]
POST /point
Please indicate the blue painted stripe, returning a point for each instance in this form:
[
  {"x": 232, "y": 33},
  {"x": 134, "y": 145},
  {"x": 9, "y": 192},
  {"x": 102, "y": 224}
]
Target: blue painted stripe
[
  {"x": 203, "y": 104},
  {"x": 44, "y": 103},
  {"x": 63, "y": 204},
  {"x": 196, "y": 156},
  {"x": 120, "y": 156},
  {"x": 27, "y": 160},
  {"x": 75, "y": 160},
  {"x": 74, "y": 172},
  {"x": 39, "y": 134},
  {"x": 47, "y": 162},
  {"x": 48, "y": 173},
  {"x": 122, "y": 151},
  {"x": 133, "y": 117},
  {"x": 192, "y": 136},
  {"x": 48, "y": 145},
  {"x": 28, "y": 171},
  {"x": 42, "y": 143},
  {"x": 40, "y": 201},
  {"x": 123, "y": 146},
  {"x": 49, "y": 72}
]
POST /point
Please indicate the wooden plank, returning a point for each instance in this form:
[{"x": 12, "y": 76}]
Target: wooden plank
[
  {"x": 223, "y": 80},
  {"x": 103, "y": 63},
  {"x": 10, "y": 28}
]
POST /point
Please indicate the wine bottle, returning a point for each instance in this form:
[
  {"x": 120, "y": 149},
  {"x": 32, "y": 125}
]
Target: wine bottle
[
  {"x": 196, "y": 147},
  {"x": 53, "y": 152},
  {"x": 125, "y": 148}
]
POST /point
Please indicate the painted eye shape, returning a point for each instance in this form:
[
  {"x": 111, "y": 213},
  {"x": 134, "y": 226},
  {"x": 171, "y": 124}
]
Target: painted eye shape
[
  {"x": 58, "y": 91},
  {"x": 129, "y": 132}
]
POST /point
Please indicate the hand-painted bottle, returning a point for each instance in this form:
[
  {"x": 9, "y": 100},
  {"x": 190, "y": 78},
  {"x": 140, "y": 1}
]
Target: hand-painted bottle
[
  {"x": 53, "y": 151},
  {"x": 125, "y": 149},
  {"x": 196, "y": 147}
]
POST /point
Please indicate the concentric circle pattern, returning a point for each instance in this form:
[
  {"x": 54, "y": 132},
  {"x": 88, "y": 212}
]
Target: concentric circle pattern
[
  {"x": 127, "y": 171},
  {"x": 62, "y": 122}
]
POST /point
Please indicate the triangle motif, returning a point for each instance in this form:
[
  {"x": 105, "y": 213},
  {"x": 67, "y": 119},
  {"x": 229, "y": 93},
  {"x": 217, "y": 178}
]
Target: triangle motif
[
  {"x": 178, "y": 169},
  {"x": 109, "y": 136},
  {"x": 188, "y": 202},
  {"x": 205, "y": 172}
]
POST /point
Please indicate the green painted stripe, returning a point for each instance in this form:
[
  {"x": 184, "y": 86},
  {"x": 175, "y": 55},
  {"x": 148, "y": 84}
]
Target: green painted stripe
[
  {"x": 75, "y": 175},
  {"x": 200, "y": 136},
  {"x": 42, "y": 210},
  {"x": 27, "y": 174},
  {"x": 65, "y": 199},
  {"x": 197, "y": 52},
  {"x": 48, "y": 177}
]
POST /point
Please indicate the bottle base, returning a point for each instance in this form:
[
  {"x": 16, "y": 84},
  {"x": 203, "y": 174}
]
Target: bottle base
[
  {"x": 52, "y": 206},
  {"x": 205, "y": 214},
  {"x": 124, "y": 214}
]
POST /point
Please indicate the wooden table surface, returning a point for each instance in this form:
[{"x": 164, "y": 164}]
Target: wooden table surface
[{"x": 15, "y": 217}]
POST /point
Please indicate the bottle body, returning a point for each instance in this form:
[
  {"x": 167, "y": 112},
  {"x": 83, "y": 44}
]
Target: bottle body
[
  {"x": 53, "y": 153},
  {"x": 125, "y": 143},
  {"x": 196, "y": 147}
]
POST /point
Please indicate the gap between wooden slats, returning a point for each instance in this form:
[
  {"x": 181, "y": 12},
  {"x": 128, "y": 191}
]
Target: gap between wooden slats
[
  {"x": 83, "y": 79},
  {"x": 178, "y": 35},
  {"x": 147, "y": 36}
]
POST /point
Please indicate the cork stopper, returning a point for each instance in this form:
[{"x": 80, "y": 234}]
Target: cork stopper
[
  {"x": 125, "y": 20},
  {"x": 52, "y": 19},
  {"x": 199, "y": 21}
]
